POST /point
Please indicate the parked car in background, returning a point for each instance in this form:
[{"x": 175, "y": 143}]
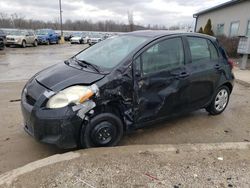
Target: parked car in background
[
  {"x": 79, "y": 38},
  {"x": 67, "y": 36},
  {"x": 21, "y": 38},
  {"x": 95, "y": 38},
  {"x": 124, "y": 83},
  {"x": 47, "y": 36},
  {"x": 2, "y": 39}
]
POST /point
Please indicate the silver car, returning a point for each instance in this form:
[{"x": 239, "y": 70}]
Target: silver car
[{"x": 21, "y": 38}]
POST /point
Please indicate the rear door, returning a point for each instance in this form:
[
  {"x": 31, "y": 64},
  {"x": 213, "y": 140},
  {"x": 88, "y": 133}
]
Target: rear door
[
  {"x": 205, "y": 70},
  {"x": 31, "y": 37},
  {"x": 160, "y": 80}
]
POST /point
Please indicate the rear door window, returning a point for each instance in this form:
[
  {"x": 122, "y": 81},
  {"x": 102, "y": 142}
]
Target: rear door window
[
  {"x": 165, "y": 55},
  {"x": 202, "y": 50}
]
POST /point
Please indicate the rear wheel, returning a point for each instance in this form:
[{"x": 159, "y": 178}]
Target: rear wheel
[
  {"x": 103, "y": 130},
  {"x": 220, "y": 101}
]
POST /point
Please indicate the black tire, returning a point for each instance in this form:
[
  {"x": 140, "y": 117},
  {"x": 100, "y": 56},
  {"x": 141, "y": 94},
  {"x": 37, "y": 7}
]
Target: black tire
[
  {"x": 214, "y": 107},
  {"x": 23, "y": 44},
  {"x": 7, "y": 45},
  {"x": 35, "y": 44},
  {"x": 107, "y": 126}
]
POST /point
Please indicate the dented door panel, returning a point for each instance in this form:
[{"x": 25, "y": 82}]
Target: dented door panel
[{"x": 160, "y": 95}]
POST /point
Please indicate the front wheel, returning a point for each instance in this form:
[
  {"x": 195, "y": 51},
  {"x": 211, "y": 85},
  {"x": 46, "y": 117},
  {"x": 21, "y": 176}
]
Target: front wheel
[
  {"x": 23, "y": 44},
  {"x": 35, "y": 44},
  {"x": 103, "y": 130},
  {"x": 220, "y": 101}
]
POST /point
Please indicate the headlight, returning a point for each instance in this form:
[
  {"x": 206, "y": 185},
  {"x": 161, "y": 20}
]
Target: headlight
[
  {"x": 18, "y": 40},
  {"x": 74, "y": 94}
]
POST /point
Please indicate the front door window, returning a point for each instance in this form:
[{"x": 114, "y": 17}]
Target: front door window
[{"x": 163, "y": 56}]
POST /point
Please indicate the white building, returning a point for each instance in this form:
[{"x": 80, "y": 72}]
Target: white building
[{"x": 231, "y": 18}]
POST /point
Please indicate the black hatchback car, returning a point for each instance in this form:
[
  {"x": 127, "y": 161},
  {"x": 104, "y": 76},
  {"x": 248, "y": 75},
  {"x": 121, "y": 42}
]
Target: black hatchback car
[{"x": 124, "y": 83}]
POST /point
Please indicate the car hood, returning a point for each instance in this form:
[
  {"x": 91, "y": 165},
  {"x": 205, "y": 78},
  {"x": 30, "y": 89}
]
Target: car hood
[
  {"x": 75, "y": 38},
  {"x": 61, "y": 76},
  {"x": 15, "y": 36},
  {"x": 95, "y": 38}
]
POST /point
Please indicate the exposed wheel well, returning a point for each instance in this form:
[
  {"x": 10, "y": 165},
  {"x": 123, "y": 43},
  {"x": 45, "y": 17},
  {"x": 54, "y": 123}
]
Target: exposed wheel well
[
  {"x": 110, "y": 108},
  {"x": 229, "y": 85}
]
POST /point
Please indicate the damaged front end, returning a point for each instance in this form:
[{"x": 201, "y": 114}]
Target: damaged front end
[{"x": 56, "y": 117}]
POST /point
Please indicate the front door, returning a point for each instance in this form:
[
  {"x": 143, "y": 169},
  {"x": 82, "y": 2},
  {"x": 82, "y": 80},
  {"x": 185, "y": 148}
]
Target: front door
[{"x": 160, "y": 80}]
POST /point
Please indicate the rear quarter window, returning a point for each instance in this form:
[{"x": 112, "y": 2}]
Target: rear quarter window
[{"x": 202, "y": 50}]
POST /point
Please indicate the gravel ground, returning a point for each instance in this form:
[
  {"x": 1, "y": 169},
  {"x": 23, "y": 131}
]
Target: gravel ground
[{"x": 146, "y": 166}]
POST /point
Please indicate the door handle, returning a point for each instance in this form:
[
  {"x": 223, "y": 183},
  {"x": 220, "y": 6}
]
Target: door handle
[
  {"x": 218, "y": 67},
  {"x": 183, "y": 75}
]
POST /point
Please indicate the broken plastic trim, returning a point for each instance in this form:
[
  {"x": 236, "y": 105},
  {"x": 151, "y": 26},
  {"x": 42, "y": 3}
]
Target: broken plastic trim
[
  {"x": 84, "y": 108},
  {"x": 87, "y": 105},
  {"x": 95, "y": 89}
]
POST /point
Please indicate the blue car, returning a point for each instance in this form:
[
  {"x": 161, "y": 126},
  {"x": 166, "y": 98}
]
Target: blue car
[{"x": 47, "y": 36}]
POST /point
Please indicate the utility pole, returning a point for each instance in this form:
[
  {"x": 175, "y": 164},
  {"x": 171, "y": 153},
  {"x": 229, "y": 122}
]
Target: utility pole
[{"x": 60, "y": 6}]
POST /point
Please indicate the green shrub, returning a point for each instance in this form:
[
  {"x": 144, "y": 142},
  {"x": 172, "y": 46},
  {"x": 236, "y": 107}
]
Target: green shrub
[{"x": 230, "y": 44}]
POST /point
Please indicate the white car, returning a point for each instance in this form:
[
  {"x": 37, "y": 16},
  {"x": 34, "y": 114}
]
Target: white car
[
  {"x": 21, "y": 38},
  {"x": 79, "y": 38},
  {"x": 95, "y": 38}
]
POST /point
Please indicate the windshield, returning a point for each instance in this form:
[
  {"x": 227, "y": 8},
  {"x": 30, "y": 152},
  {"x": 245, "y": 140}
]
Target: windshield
[
  {"x": 96, "y": 36},
  {"x": 112, "y": 51},
  {"x": 42, "y": 32},
  {"x": 77, "y": 35},
  {"x": 18, "y": 33}
]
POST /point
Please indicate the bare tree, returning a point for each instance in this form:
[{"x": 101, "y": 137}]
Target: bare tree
[{"x": 19, "y": 21}]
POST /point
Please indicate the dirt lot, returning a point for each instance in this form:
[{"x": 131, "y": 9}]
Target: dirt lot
[
  {"x": 17, "y": 148},
  {"x": 22, "y": 63}
]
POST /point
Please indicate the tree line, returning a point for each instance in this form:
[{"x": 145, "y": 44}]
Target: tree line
[{"x": 19, "y": 21}]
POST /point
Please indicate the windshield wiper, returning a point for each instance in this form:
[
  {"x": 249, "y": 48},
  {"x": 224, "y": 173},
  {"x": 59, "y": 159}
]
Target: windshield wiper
[{"x": 82, "y": 63}]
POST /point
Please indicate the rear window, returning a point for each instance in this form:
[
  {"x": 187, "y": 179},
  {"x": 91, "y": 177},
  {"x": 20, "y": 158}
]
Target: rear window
[{"x": 202, "y": 50}]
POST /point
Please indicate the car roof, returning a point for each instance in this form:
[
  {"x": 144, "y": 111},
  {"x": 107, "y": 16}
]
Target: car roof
[{"x": 161, "y": 33}]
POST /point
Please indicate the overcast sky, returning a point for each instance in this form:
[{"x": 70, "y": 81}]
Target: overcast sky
[{"x": 164, "y": 12}]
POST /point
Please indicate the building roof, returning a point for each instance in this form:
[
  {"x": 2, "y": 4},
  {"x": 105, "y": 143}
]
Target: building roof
[{"x": 223, "y": 5}]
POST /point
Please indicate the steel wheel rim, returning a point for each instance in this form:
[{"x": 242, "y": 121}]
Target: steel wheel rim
[
  {"x": 221, "y": 100},
  {"x": 103, "y": 133}
]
